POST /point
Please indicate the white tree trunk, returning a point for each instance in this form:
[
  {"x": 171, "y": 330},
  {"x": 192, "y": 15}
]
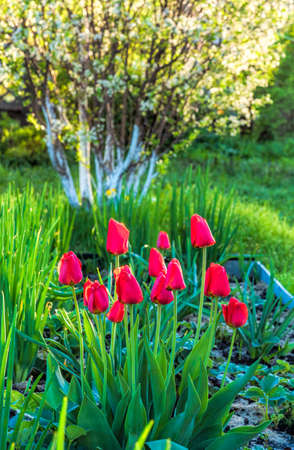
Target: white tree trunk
[
  {"x": 112, "y": 180},
  {"x": 99, "y": 178},
  {"x": 84, "y": 155},
  {"x": 150, "y": 176},
  {"x": 57, "y": 156}
]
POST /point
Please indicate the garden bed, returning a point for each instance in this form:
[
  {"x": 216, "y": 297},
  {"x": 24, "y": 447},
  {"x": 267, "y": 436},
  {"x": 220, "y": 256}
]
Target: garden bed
[{"x": 280, "y": 434}]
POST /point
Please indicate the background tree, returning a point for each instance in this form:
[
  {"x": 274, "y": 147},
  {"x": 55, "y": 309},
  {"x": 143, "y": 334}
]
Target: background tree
[
  {"x": 276, "y": 118},
  {"x": 119, "y": 81}
]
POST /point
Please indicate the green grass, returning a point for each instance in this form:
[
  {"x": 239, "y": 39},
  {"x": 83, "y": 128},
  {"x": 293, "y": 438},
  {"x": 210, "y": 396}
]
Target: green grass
[
  {"x": 264, "y": 205},
  {"x": 20, "y": 176}
]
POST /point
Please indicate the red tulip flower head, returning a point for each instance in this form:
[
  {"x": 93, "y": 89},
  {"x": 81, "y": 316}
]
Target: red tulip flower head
[
  {"x": 174, "y": 277},
  {"x": 235, "y": 313},
  {"x": 216, "y": 281},
  {"x": 156, "y": 263},
  {"x": 95, "y": 297},
  {"x": 159, "y": 294},
  {"x": 116, "y": 312},
  {"x": 70, "y": 269},
  {"x": 127, "y": 287},
  {"x": 117, "y": 238},
  {"x": 163, "y": 240},
  {"x": 201, "y": 235}
]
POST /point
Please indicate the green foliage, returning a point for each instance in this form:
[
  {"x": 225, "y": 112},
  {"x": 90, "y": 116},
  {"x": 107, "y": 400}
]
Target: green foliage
[
  {"x": 18, "y": 177},
  {"x": 276, "y": 119},
  {"x": 33, "y": 230},
  {"x": 184, "y": 416},
  {"x": 21, "y": 143},
  {"x": 261, "y": 179},
  {"x": 269, "y": 390},
  {"x": 267, "y": 329}
]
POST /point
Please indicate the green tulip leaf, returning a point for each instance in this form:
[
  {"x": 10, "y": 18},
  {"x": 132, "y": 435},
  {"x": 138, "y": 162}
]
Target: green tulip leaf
[
  {"x": 99, "y": 433},
  {"x": 74, "y": 392},
  {"x": 120, "y": 414},
  {"x": 236, "y": 438},
  {"x": 136, "y": 419},
  {"x": 164, "y": 444},
  {"x": 181, "y": 426},
  {"x": 157, "y": 383},
  {"x": 218, "y": 407},
  {"x": 73, "y": 432},
  {"x": 192, "y": 363},
  {"x": 56, "y": 386}
]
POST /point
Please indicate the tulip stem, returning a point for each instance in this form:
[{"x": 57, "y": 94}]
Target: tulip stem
[
  {"x": 173, "y": 349},
  {"x": 81, "y": 342},
  {"x": 127, "y": 341},
  {"x": 229, "y": 357},
  {"x": 157, "y": 329},
  {"x": 133, "y": 349},
  {"x": 211, "y": 311},
  {"x": 99, "y": 324},
  {"x": 114, "y": 325},
  {"x": 212, "y": 321},
  {"x": 112, "y": 345},
  {"x": 215, "y": 311},
  {"x": 204, "y": 252}
]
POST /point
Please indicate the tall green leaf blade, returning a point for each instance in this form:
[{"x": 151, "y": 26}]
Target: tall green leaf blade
[
  {"x": 237, "y": 437},
  {"x": 99, "y": 432},
  {"x": 219, "y": 406}
]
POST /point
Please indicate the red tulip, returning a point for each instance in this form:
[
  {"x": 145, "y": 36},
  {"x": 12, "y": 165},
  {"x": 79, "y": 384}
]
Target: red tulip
[
  {"x": 70, "y": 269},
  {"x": 216, "y": 281},
  {"x": 200, "y": 232},
  {"x": 127, "y": 287},
  {"x": 156, "y": 263},
  {"x": 163, "y": 240},
  {"x": 116, "y": 312},
  {"x": 174, "y": 277},
  {"x": 95, "y": 297},
  {"x": 120, "y": 269},
  {"x": 159, "y": 294},
  {"x": 235, "y": 313},
  {"x": 117, "y": 238},
  {"x": 87, "y": 285}
]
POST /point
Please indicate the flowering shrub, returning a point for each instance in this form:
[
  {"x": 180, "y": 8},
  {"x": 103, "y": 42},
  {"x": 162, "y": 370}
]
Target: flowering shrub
[{"x": 121, "y": 385}]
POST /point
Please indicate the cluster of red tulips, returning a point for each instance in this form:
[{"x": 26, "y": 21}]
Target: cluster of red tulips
[{"x": 167, "y": 279}]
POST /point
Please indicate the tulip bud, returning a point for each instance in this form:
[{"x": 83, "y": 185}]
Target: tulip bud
[
  {"x": 200, "y": 232},
  {"x": 70, "y": 269},
  {"x": 159, "y": 294},
  {"x": 156, "y": 263},
  {"x": 216, "y": 281},
  {"x": 127, "y": 287},
  {"x": 174, "y": 277},
  {"x": 116, "y": 312},
  {"x": 163, "y": 240},
  {"x": 95, "y": 297},
  {"x": 117, "y": 238},
  {"x": 235, "y": 313}
]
